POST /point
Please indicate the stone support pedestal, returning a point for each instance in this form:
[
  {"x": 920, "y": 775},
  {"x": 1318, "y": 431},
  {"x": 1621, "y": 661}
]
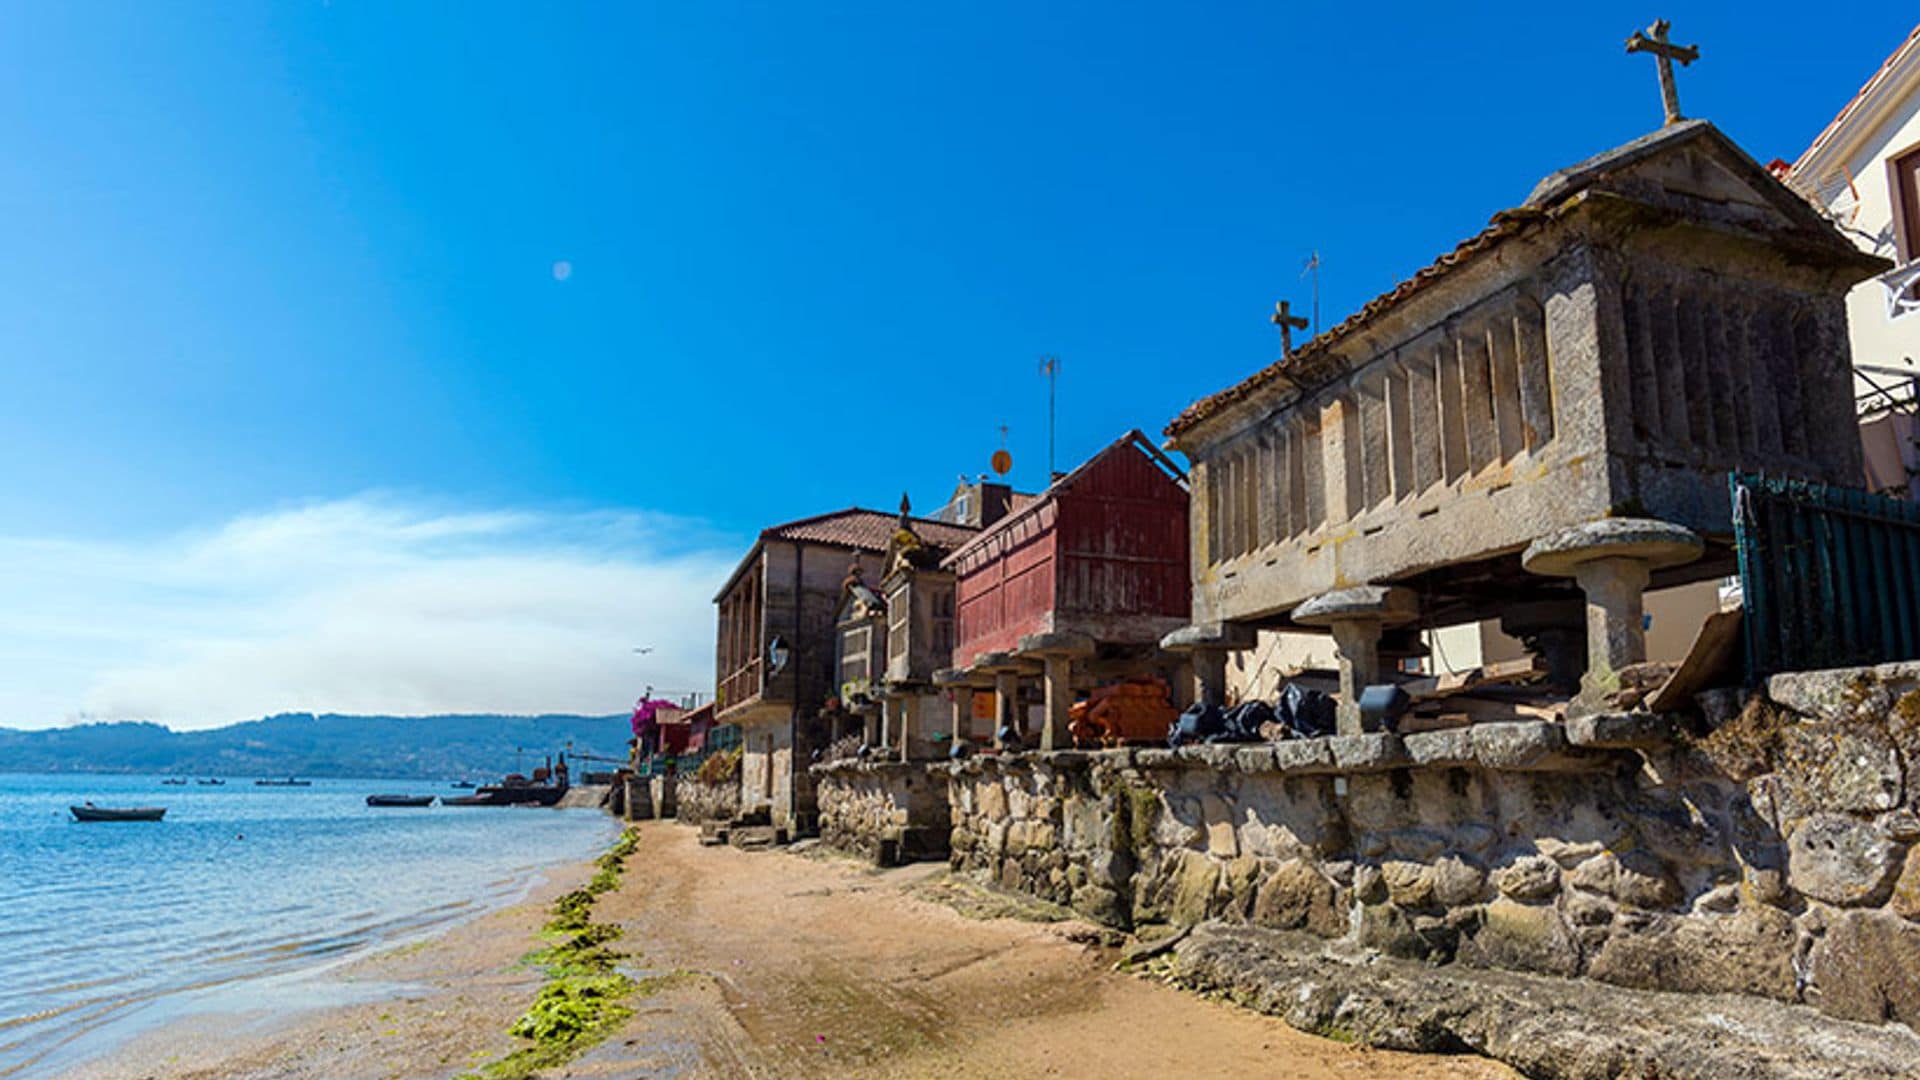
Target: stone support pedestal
[
  {"x": 1057, "y": 653},
  {"x": 1356, "y": 616},
  {"x": 1006, "y": 669},
  {"x": 961, "y": 685},
  {"x": 1205, "y": 646},
  {"x": 1612, "y": 560},
  {"x": 1555, "y": 631}
]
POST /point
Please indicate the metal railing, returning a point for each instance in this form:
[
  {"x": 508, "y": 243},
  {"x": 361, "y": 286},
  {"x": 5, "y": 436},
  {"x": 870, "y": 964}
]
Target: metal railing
[{"x": 1830, "y": 576}]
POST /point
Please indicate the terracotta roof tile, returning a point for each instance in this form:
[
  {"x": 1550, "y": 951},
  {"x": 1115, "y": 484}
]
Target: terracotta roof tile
[
  {"x": 866, "y": 530},
  {"x": 1506, "y": 224}
]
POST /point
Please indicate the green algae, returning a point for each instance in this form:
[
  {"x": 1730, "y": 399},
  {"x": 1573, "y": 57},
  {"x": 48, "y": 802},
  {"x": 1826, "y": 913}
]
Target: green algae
[{"x": 584, "y": 997}]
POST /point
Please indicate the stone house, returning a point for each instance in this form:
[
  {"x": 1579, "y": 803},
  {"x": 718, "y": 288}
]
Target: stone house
[
  {"x": 1538, "y": 426},
  {"x": 893, "y": 638},
  {"x": 1073, "y": 589},
  {"x": 776, "y": 643}
]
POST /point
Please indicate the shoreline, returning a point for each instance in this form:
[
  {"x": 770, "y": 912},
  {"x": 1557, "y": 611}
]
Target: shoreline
[
  {"x": 449, "y": 976},
  {"x": 862, "y": 973}
]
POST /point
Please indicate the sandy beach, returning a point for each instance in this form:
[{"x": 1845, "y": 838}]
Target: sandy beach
[{"x": 774, "y": 964}]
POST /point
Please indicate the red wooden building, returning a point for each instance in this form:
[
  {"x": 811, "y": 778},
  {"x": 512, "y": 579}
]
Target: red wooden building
[{"x": 1078, "y": 585}]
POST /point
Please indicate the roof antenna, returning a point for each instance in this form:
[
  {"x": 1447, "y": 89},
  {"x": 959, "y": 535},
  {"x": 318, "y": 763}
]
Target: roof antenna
[
  {"x": 1050, "y": 367},
  {"x": 1313, "y": 268}
]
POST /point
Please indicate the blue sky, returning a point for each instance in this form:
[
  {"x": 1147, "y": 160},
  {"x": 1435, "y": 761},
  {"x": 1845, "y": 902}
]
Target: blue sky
[{"x": 295, "y": 263}]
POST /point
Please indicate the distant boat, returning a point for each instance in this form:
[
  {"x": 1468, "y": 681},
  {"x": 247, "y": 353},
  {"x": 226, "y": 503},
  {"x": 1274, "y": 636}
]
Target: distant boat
[
  {"x": 468, "y": 800},
  {"x": 399, "y": 800},
  {"x": 288, "y": 782},
  {"x": 211, "y": 782},
  {"x": 90, "y": 812},
  {"x": 175, "y": 781},
  {"x": 468, "y": 784}
]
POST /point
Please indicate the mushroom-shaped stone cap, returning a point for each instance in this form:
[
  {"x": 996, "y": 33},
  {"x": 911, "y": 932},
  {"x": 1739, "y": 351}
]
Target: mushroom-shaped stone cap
[
  {"x": 1388, "y": 605},
  {"x": 948, "y": 676},
  {"x": 1209, "y": 636},
  {"x": 999, "y": 661},
  {"x": 1659, "y": 544},
  {"x": 1057, "y": 644}
]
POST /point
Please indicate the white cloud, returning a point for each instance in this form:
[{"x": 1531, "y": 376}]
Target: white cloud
[{"x": 365, "y": 605}]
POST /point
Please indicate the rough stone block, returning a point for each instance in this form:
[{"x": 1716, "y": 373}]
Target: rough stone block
[
  {"x": 1867, "y": 968},
  {"x": 1620, "y": 730},
  {"x": 1844, "y": 693},
  {"x": 1522, "y": 937},
  {"x": 1253, "y": 759},
  {"x": 1519, "y": 745},
  {"x": 1304, "y": 755},
  {"x": 1530, "y": 877},
  {"x": 1295, "y": 896},
  {"x": 1747, "y": 953},
  {"x": 1154, "y": 757},
  {"x": 1453, "y": 746},
  {"x": 1850, "y": 766},
  {"x": 1367, "y": 753},
  {"x": 1906, "y": 888},
  {"x": 1842, "y": 860}
]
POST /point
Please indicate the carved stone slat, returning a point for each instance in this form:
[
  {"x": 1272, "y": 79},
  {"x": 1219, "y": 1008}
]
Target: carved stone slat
[
  {"x": 1501, "y": 350},
  {"x": 1476, "y": 394},
  {"x": 1453, "y": 414},
  {"x": 1676, "y": 435},
  {"x": 1536, "y": 372},
  {"x": 1374, "y": 444},
  {"x": 1423, "y": 395},
  {"x": 1400, "y": 431},
  {"x": 1698, "y": 366}
]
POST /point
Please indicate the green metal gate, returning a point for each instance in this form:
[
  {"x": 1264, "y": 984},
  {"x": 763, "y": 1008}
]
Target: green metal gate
[{"x": 1830, "y": 575}]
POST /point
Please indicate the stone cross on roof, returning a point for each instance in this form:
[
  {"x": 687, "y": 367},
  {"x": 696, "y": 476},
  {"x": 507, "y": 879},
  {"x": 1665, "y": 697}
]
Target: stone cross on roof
[
  {"x": 1288, "y": 322},
  {"x": 1654, "y": 40}
]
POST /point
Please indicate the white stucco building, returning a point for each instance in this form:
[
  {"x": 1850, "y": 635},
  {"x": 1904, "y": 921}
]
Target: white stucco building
[{"x": 1863, "y": 171}]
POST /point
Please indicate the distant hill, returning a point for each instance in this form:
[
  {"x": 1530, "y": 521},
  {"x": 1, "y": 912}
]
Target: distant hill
[{"x": 301, "y": 744}]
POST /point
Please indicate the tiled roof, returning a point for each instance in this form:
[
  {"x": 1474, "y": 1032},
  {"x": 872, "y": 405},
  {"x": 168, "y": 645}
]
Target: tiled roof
[
  {"x": 1506, "y": 224},
  {"x": 866, "y": 530}
]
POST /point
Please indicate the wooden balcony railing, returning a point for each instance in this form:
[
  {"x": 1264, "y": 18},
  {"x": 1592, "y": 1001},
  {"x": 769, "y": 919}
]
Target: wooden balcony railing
[{"x": 741, "y": 686}]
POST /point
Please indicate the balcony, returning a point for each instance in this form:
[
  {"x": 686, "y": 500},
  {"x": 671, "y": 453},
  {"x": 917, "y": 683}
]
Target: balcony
[{"x": 741, "y": 687}]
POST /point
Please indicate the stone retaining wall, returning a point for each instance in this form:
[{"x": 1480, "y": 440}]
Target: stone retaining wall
[
  {"x": 696, "y": 802},
  {"x": 1775, "y": 857},
  {"x": 888, "y": 811}
]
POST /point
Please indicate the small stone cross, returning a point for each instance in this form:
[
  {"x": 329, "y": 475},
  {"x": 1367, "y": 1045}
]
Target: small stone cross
[
  {"x": 1288, "y": 322},
  {"x": 1654, "y": 40}
]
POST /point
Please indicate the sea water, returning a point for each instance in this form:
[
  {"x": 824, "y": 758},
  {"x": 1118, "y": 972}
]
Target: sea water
[{"x": 108, "y": 928}]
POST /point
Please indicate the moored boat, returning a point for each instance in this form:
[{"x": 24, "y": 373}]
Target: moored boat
[
  {"x": 211, "y": 782},
  {"x": 399, "y": 800},
  {"x": 90, "y": 812},
  {"x": 288, "y": 782}
]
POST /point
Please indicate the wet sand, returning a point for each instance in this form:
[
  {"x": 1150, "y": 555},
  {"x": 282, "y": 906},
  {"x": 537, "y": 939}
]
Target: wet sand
[{"x": 772, "y": 964}]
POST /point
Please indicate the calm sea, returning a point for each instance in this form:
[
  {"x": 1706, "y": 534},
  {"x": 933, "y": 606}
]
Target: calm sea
[{"x": 236, "y": 898}]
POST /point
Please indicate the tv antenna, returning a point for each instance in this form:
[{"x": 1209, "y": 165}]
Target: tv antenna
[
  {"x": 1050, "y": 367},
  {"x": 1313, "y": 268}
]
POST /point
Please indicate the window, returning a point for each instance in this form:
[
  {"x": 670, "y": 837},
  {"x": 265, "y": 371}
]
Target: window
[{"x": 1903, "y": 182}]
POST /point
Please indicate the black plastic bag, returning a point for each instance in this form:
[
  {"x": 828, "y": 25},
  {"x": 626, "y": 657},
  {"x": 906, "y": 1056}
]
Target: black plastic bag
[
  {"x": 1242, "y": 722},
  {"x": 1307, "y": 713},
  {"x": 1197, "y": 724}
]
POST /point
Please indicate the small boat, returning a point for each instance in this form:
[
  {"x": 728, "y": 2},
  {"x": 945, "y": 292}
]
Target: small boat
[
  {"x": 399, "y": 800},
  {"x": 90, "y": 812},
  {"x": 467, "y": 784},
  {"x": 288, "y": 782},
  {"x": 180, "y": 781},
  {"x": 210, "y": 782},
  {"x": 468, "y": 800}
]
